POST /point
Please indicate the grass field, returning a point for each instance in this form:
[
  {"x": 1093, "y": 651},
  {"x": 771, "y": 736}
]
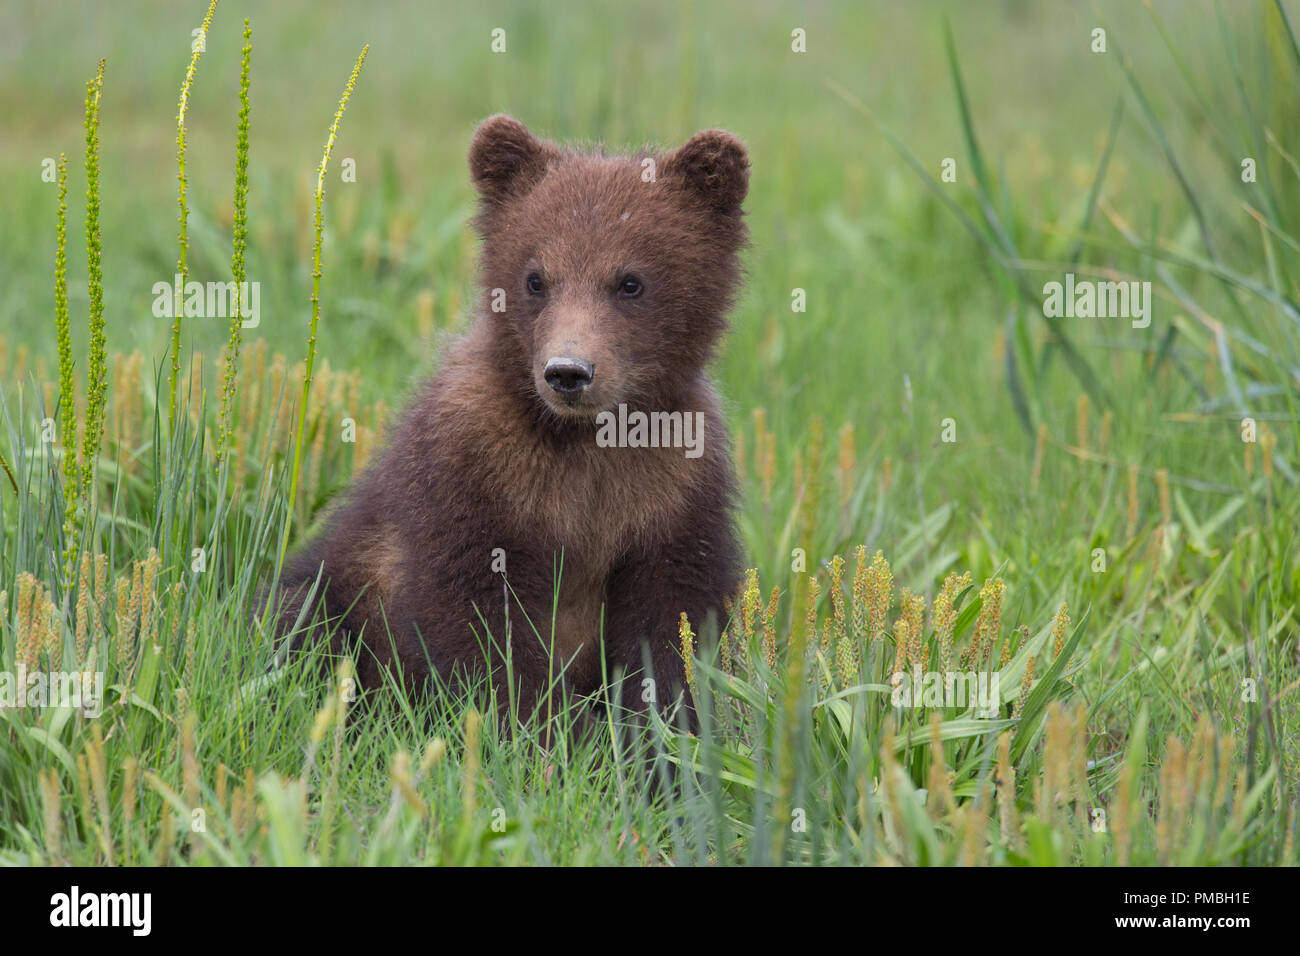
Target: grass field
[{"x": 1102, "y": 515}]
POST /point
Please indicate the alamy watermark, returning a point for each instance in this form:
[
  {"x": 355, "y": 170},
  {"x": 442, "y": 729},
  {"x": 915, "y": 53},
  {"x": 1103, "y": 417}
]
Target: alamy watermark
[
  {"x": 1086, "y": 299},
  {"x": 38, "y": 690},
  {"x": 977, "y": 689},
  {"x": 133, "y": 911},
  {"x": 651, "y": 430},
  {"x": 209, "y": 300}
]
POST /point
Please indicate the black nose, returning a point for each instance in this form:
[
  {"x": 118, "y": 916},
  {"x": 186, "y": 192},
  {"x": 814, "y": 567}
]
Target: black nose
[{"x": 568, "y": 377}]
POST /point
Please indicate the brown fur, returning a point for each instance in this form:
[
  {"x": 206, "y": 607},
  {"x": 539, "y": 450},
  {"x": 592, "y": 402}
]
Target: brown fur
[{"x": 489, "y": 456}]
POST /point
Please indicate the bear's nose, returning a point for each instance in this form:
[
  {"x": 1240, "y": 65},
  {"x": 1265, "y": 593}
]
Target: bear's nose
[{"x": 569, "y": 377}]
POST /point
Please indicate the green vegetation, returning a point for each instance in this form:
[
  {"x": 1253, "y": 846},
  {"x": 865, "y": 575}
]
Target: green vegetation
[{"x": 937, "y": 475}]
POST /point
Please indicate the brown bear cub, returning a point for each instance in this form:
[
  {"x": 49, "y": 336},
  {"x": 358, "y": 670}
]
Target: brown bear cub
[{"x": 561, "y": 490}]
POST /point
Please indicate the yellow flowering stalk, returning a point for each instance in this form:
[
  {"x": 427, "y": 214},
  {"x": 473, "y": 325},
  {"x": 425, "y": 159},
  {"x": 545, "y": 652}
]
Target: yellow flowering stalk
[
  {"x": 687, "y": 637},
  {"x": 182, "y": 262},
  {"x": 240, "y": 243},
  {"x": 315, "y": 293}
]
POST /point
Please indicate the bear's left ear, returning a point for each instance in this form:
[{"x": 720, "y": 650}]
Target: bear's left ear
[
  {"x": 505, "y": 159},
  {"x": 715, "y": 166}
]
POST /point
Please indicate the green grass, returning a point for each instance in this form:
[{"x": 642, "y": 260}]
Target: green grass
[{"x": 1166, "y": 708}]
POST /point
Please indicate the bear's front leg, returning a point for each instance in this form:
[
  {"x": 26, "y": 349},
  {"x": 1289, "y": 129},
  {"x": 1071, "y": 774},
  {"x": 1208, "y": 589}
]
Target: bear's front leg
[{"x": 648, "y": 592}]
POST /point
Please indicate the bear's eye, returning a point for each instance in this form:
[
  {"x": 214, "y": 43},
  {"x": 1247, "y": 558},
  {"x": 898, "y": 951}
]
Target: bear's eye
[
  {"x": 535, "y": 284},
  {"x": 630, "y": 287}
]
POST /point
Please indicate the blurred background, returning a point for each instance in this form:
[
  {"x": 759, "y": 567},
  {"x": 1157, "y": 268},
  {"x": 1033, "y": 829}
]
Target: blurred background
[
  {"x": 899, "y": 292},
  {"x": 1141, "y": 481}
]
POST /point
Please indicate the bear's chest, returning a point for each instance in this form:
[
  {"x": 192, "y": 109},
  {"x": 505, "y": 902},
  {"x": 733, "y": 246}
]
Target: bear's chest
[
  {"x": 601, "y": 501},
  {"x": 589, "y": 515},
  {"x": 579, "y": 611}
]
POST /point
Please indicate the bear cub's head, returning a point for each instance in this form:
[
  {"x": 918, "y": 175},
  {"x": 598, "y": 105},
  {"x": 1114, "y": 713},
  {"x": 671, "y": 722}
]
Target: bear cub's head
[{"x": 608, "y": 277}]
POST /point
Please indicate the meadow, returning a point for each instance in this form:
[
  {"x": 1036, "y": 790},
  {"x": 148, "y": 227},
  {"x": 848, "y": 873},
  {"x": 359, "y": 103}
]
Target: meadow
[{"x": 1097, "y": 515}]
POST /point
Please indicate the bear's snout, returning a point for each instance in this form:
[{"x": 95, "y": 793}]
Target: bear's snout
[{"x": 568, "y": 377}]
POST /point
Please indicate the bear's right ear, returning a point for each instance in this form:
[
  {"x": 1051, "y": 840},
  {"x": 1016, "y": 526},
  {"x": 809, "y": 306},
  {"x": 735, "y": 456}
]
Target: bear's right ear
[{"x": 505, "y": 159}]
